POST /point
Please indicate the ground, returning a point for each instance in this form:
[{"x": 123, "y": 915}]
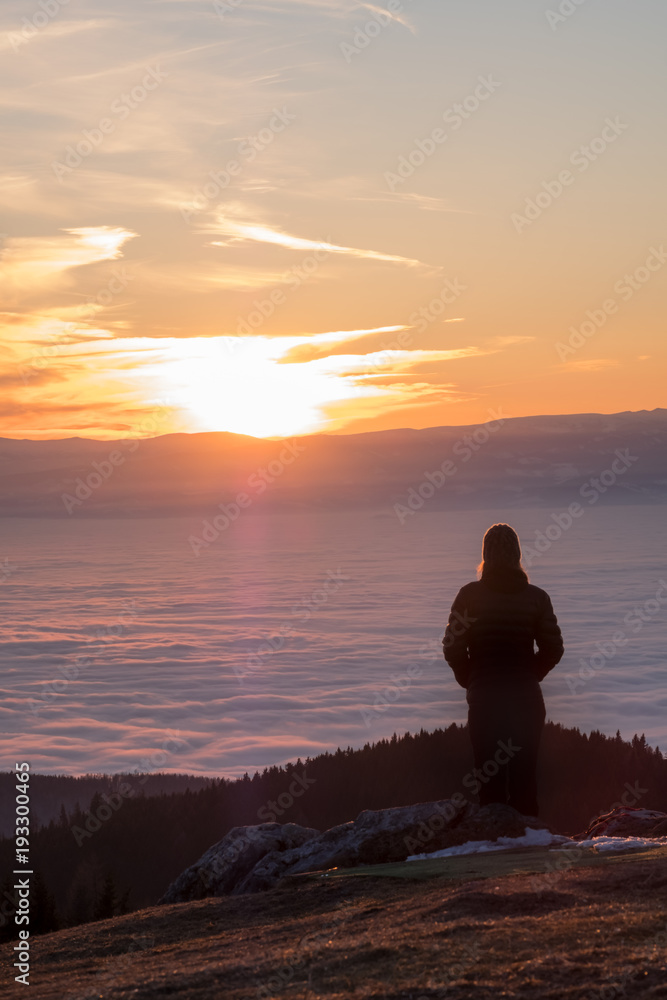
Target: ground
[{"x": 486, "y": 929}]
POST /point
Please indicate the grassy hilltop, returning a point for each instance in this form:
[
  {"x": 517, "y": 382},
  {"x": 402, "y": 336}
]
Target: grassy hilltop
[{"x": 597, "y": 931}]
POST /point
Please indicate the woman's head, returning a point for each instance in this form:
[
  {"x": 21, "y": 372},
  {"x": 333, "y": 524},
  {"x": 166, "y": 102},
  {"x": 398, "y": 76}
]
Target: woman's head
[{"x": 501, "y": 549}]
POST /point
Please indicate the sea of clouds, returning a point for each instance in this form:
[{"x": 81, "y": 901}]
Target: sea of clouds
[{"x": 291, "y": 634}]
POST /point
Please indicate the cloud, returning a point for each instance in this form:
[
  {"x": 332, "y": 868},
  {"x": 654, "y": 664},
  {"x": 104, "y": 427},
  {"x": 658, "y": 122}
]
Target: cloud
[
  {"x": 509, "y": 341},
  {"x": 337, "y": 9},
  {"x": 30, "y": 261},
  {"x": 18, "y": 36},
  {"x": 319, "y": 345},
  {"x": 256, "y": 232},
  {"x": 364, "y": 365},
  {"x": 424, "y": 202},
  {"x": 396, "y": 16},
  {"x": 590, "y": 364},
  {"x": 12, "y": 379}
]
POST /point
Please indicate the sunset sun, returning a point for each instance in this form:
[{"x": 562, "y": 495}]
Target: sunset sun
[{"x": 237, "y": 385}]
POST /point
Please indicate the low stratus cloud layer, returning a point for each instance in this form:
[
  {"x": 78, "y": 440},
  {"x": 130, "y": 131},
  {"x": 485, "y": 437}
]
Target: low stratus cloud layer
[
  {"x": 193, "y": 193},
  {"x": 288, "y": 636}
]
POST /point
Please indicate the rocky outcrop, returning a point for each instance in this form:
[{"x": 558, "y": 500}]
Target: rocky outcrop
[
  {"x": 254, "y": 858},
  {"x": 229, "y": 861},
  {"x": 376, "y": 836},
  {"x": 625, "y": 821}
]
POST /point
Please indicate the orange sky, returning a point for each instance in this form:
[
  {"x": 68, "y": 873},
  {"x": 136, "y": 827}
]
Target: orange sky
[{"x": 292, "y": 216}]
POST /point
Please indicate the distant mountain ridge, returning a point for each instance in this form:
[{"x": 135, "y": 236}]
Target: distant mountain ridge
[{"x": 514, "y": 461}]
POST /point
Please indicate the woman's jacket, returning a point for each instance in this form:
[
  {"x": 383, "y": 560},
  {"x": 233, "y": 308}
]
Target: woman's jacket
[{"x": 494, "y": 625}]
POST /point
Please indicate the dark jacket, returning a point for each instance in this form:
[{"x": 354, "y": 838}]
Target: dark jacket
[{"x": 492, "y": 628}]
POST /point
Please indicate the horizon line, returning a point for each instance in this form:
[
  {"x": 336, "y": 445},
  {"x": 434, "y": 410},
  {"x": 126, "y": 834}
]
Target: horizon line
[{"x": 322, "y": 434}]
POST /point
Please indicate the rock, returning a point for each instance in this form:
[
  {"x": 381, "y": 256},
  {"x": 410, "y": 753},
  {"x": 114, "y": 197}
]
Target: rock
[
  {"x": 496, "y": 820},
  {"x": 267, "y": 872},
  {"x": 253, "y": 859},
  {"x": 230, "y": 860},
  {"x": 376, "y": 836},
  {"x": 625, "y": 821}
]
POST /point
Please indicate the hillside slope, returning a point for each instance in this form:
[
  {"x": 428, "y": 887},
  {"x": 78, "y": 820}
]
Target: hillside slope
[{"x": 565, "y": 934}]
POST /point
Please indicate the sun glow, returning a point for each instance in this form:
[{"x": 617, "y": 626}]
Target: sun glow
[
  {"x": 237, "y": 385},
  {"x": 264, "y": 386}
]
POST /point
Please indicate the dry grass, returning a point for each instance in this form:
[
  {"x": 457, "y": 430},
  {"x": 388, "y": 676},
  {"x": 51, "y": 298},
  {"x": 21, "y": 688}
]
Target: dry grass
[{"x": 591, "y": 935}]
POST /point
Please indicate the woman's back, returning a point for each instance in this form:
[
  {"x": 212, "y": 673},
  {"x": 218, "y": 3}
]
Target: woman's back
[{"x": 494, "y": 625}]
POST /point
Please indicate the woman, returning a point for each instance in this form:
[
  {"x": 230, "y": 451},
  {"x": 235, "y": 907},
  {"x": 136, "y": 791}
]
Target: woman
[{"x": 489, "y": 644}]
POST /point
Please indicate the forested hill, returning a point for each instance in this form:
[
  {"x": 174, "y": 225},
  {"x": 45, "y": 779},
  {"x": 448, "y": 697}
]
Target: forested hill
[
  {"x": 123, "y": 850},
  {"x": 50, "y": 792}
]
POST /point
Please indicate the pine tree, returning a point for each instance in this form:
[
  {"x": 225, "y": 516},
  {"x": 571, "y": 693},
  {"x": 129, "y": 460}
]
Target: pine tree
[
  {"x": 107, "y": 899},
  {"x": 43, "y": 914},
  {"x": 124, "y": 903},
  {"x": 8, "y": 904}
]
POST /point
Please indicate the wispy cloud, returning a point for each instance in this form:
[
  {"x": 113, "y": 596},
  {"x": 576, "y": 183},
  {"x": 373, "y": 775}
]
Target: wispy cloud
[
  {"x": 398, "y": 17},
  {"x": 15, "y": 37},
  {"x": 590, "y": 364},
  {"x": 256, "y": 232},
  {"x": 394, "y": 360},
  {"x": 30, "y": 261}
]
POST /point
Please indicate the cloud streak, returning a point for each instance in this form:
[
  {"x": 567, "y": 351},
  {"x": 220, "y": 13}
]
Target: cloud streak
[{"x": 239, "y": 232}]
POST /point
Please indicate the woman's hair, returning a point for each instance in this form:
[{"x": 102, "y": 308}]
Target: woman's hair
[{"x": 501, "y": 550}]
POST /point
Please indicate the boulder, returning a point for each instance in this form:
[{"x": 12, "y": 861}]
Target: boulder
[
  {"x": 496, "y": 820},
  {"x": 626, "y": 821},
  {"x": 375, "y": 837},
  {"x": 229, "y": 861}
]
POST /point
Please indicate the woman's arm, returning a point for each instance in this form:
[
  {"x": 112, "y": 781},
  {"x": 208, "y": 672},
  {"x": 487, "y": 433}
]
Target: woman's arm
[
  {"x": 549, "y": 640},
  {"x": 455, "y": 640}
]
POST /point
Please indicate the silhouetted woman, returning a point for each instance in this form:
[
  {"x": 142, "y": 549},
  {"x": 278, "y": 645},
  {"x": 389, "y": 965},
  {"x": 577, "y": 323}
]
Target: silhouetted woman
[{"x": 489, "y": 643}]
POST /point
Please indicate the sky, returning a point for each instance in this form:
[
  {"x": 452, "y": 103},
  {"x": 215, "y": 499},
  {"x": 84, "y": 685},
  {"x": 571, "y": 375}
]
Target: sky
[{"x": 280, "y": 217}]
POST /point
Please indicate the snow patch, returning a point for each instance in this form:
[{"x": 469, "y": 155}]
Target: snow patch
[
  {"x": 620, "y": 843},
  {"x": 531, "y": 838},
  {"x": 542, "y": 838}
]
